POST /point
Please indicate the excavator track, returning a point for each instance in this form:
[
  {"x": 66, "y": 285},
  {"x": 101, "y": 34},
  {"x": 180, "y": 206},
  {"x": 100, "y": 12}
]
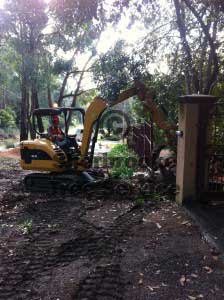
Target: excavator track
[{"x": 53, "y": 182}]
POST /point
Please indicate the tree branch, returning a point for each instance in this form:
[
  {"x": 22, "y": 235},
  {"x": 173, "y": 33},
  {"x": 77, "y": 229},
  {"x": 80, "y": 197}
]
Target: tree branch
[
  {"x": 185, "y": 45},
  {"x": 212, "y": 78}
]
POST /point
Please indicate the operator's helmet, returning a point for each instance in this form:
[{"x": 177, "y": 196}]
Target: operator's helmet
[{"x": 55, "y": 119}]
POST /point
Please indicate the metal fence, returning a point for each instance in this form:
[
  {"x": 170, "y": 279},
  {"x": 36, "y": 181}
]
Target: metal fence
[
  {"x": 215, "y": 150},
  {"x": 140, "y": 139}
]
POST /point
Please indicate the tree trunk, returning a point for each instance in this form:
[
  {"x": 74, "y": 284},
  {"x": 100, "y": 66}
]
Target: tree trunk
[
  {"x": 62, "y": 90},
  {"x": 75, "y": 97},
  {"x": 213, "y": 57},
  {"x": 49, "y": 98},
  {"x": 35, "y": 104},
  {"x": 24, "y": 119},
  {"x": 191, "y": 76}
]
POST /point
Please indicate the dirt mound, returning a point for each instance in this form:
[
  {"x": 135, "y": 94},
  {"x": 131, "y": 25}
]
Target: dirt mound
[{"x": 11, "y": 153}]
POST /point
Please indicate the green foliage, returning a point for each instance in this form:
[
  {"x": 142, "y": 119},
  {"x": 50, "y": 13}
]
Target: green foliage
[
  {"x": 115, "y": 69},
  {"x": 120, "y": 150},
  {"x": 9, "y": 77},
  {"x": 151, "y": 196},
  {"x": 138, "y": 111},
  {"x": 61, "y": 66},
  {"x": 167, "y": 89},
  {"x": 9, "y": 145},
  {"x": 110, "y": 73},
  {"x": 120, "y": 155},
  {"x": 7, "y": 117},
  {"x": 186, "y": 35},
  {"x": 139, "y": 201},
  {"x": 78, "y": 23},
  {"x": 156, "y": 197},
  {"x": 26, "y": 227},
  {"x": 85, "y": 98},
  {"x": 140, "y": 115},
  {"x": 122, "y": 171}
]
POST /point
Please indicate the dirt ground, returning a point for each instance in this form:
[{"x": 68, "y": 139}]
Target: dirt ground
[
  {"x": 10, "y": 153},
  {"x": 66, "y": 247}
]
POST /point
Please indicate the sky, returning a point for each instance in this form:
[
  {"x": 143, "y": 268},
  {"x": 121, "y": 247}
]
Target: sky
[{"x": 2, "y": 2}]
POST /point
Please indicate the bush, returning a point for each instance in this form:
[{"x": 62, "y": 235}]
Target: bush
[
  {"x": 122, "y": 172},
  {"x": 139, "y": 201},
  {"x": 7, "y": 117},
  {"x": 9, "y": 145},
  {"x": 120, "y": 154},
  {"x": 120, "y": 150}
]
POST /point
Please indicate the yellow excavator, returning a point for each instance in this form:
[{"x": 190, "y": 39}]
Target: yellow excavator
[{"x": 67, "y": 167}]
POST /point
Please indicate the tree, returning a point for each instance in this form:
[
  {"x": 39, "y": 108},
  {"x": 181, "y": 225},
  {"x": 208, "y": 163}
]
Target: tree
[
  {"x": 115, "y": 69},
  {"x": 24, "y": 21},
  {"x": 65, "y": 68},
  {"x": 7, "y": 117},
  {"x": 187, "y": 32},
  {"x": 9, "y": 79},
  {"x": 202, "y": 67},
  {"x": 166, "y": 90},
  {"x": 78, "y": 25}
]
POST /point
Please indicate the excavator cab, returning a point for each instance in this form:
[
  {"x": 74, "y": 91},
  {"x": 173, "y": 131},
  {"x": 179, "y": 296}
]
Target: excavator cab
[
  {"x": 43, "y": 154},
  {"x": 69, "y": 117}
]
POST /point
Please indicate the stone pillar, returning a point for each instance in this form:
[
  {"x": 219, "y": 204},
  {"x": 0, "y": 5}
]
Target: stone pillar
[{"x": 193, "y": 110}]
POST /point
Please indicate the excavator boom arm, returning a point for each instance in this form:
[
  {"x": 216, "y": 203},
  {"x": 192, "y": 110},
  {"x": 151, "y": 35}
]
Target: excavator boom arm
[
  {"x": 93, "y": 113},
  {"x": 98, "y": 106}
]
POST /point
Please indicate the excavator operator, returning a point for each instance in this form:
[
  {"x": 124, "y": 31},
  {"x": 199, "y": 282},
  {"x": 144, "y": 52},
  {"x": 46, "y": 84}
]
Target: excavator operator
[
  {"x": 55, "y": 133},
  {"x": 57, "y": 136}
]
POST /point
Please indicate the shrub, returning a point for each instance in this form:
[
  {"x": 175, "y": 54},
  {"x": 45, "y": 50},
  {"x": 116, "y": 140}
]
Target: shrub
[
  {"x": 120, "y": 150},
  {"x": 9, "y": 145},
  {"x": 122, "y": 172},
  {"x": 7, "y": 117},
  {"x": 121, "y": 155},
  {"x": 139, "y": 201},
  {"x": 26, "y": 227}
]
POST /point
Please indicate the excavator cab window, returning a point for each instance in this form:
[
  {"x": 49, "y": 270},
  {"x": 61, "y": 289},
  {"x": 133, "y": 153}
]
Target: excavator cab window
[
  {"x": 74, "y": 122},
  {"x": 42, "y": 120},
  {"x": 69, "y": 119}
]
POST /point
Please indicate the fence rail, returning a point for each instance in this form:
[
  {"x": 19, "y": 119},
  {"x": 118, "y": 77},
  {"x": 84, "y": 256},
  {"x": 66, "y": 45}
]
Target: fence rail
[
  {"x": 215, "y": 150},
  {"x": 140, "y": 139}
]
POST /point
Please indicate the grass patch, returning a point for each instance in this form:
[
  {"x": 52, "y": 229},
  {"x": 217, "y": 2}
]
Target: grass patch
[{"x": 26, "y": 227}]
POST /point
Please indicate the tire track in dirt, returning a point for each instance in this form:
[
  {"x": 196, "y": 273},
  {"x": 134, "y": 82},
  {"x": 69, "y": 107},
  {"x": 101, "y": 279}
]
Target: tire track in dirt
[
  {"x": 38, "y": 257},
  {"x": 39, "y": 254},
  {"x": 104, "y": 243},
  {"x": 104, "y": 282}
]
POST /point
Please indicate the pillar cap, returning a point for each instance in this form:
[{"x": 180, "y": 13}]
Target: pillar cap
[{"x": 198, "y": 98}]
